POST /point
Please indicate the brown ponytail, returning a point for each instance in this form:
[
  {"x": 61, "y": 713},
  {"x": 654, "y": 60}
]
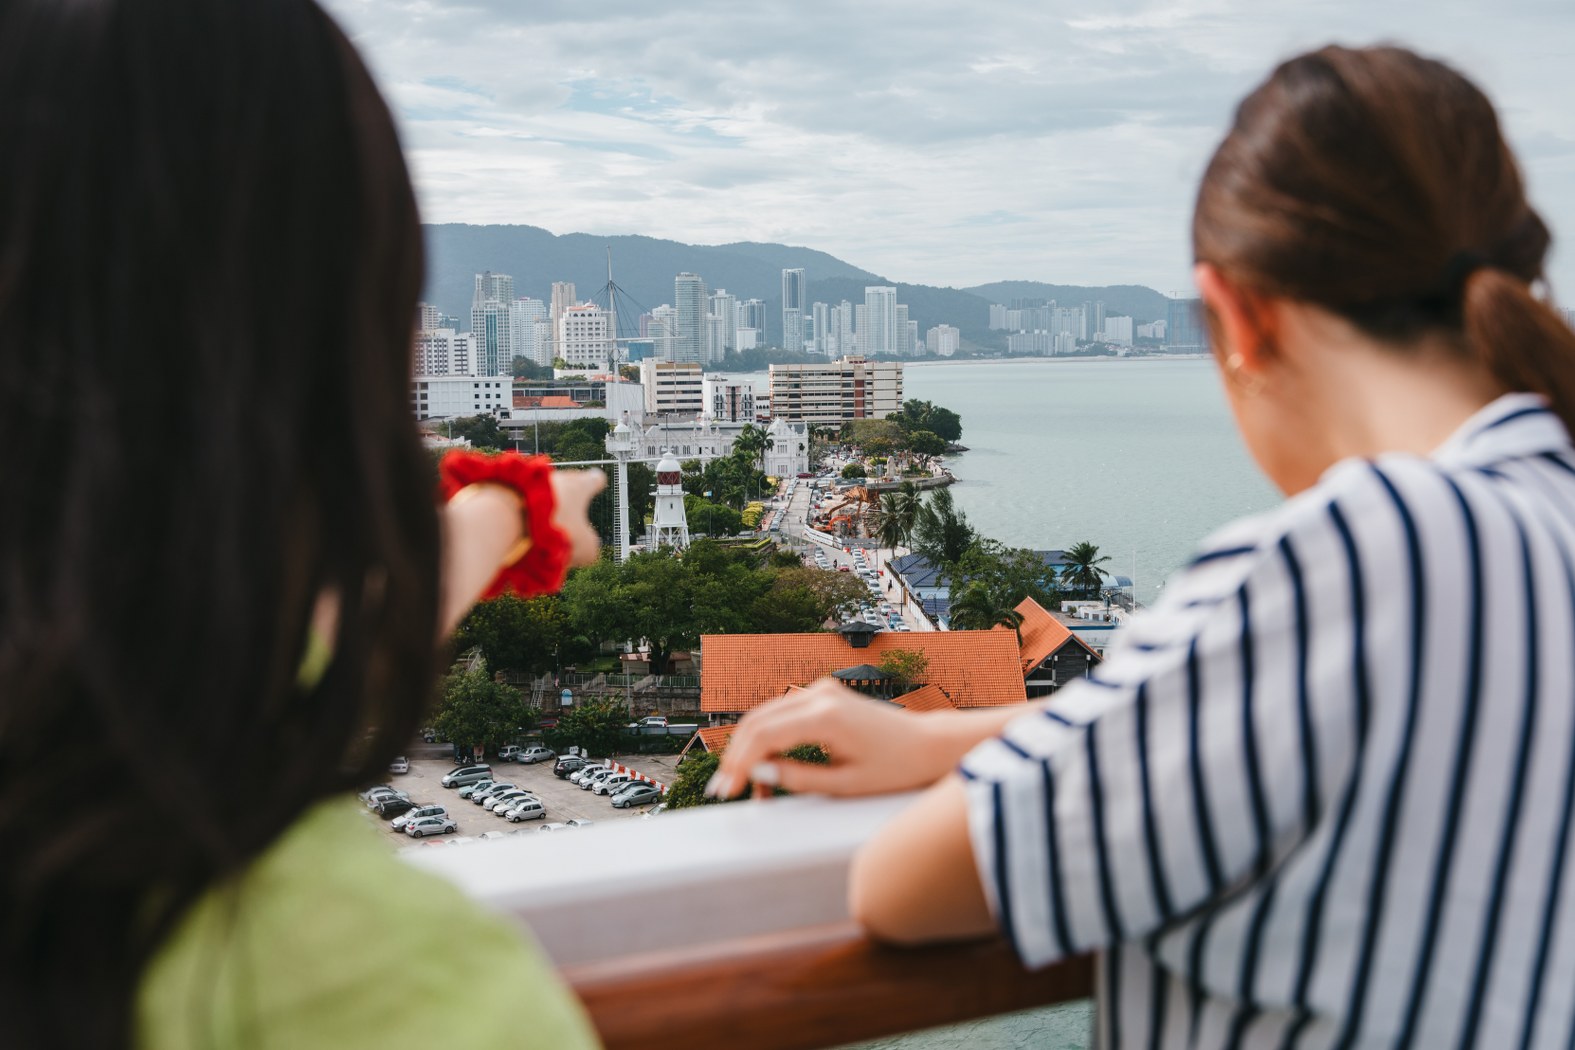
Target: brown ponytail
[
  {"x": 1520, "y": 338},
  {"x": 1376, "y": 183}
]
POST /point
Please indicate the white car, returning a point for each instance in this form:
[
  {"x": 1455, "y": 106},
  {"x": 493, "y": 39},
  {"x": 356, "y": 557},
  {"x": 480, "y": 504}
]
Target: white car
[
  {"x": 525, "y": 809},
  {"x": 579, "y": 775},
  {"x": 500, "y": 803},
  {"x": 587, "y": 783},
  {"x": 610, "y": 784},
  {"x": 402, "y": 821},
  {"x": 399, "y": 765},
  {"x": 480, "y": 797},
  {"x": 532, "y": 755},
  {"x": 510, "y": 753},
  {"x": 417, "y": 829}
]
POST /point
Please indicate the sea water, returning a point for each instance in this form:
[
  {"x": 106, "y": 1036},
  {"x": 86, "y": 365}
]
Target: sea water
[{"x": 1139, "y": 457}]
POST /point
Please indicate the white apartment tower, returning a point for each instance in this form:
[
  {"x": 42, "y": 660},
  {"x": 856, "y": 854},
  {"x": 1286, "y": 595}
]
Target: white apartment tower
[
  {"x": 585, "y": 338},
  {"x": 880, "y": 321},
  {"x": 563, "y": 297},
  {"x": 793, "y": 309},
  {"x": 724, "y": 308},
  {"x": 525, "y": 315},
  {"x": 943, "y": 340}
]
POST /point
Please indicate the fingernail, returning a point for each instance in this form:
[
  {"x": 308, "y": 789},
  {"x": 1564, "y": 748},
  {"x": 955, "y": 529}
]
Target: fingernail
[
  {"x": 713, "y": 787},
  {"x": 766, "y": 773}
]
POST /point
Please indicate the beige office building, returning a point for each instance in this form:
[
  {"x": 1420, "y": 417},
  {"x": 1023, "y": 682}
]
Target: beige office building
[{"x": 836, "y": 391}]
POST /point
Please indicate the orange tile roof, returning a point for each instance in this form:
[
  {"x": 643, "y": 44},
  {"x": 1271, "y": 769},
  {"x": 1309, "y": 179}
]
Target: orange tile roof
[
  {"x": 558, "y": 401},
  {"x": 714, "y": 738},
  {"x": 1042, "y": 634},
  {"x": 926, "y": 698},
  {"x": 742, "y": 671}
]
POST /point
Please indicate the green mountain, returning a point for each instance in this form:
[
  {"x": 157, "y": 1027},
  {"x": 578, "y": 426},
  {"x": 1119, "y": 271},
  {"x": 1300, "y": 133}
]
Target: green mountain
[{"x": 644, "y": 268}]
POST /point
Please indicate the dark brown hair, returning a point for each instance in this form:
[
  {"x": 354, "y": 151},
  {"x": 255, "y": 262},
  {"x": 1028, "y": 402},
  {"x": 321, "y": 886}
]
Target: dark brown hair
[
  {"x": 209, "y": 260},
  {"x": 1376, "y": 183}
]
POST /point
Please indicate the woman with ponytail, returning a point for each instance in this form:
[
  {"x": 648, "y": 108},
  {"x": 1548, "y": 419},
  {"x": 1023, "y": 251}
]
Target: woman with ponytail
[
  {"x": 1322, "y": 794},
  {"x": 221, "y": 555}
]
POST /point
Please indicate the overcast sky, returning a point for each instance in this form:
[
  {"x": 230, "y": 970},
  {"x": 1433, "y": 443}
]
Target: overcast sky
[{"x": 938, "y": 143}]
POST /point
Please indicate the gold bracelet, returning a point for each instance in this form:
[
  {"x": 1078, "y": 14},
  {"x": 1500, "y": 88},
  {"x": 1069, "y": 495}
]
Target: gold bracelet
[{"x": 471, "y": 491}]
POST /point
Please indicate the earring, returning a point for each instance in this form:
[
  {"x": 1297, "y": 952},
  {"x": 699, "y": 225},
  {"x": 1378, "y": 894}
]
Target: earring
[{"x": 1251, "y": 386}]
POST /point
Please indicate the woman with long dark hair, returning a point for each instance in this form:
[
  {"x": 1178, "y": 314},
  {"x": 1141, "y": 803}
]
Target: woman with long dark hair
[
  {"x": 1321, "y": 795},
  {"x": 209, "y": 262}
]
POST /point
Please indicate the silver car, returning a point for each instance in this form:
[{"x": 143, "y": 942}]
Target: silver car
[
  {"x": 636, "y": 794},
  {"x": 399, "y": 822},
  {"x": 492, "y": 790},
  {"x": 417, "y": 829},
  {"x": 500, "y": 803},
  {"x": 586, "y": 783},
  {"x": 459, "y": 776},
  {"x": 611, "y": 785}
]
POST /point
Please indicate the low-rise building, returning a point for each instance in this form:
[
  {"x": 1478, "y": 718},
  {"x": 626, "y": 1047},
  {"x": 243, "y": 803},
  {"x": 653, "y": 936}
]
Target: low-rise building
[
  {"x": 836, "y": 391},
  {"x": 439, "y": 397},
  {"x": 728, "y": 400},
  {"x": 672, "y": 388}
]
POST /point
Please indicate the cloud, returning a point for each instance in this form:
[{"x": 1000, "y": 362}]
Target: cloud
[{"x": 936, "y": 142}]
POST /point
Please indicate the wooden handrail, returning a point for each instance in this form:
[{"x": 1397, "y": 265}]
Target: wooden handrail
[{"x": 806, "y": 989}]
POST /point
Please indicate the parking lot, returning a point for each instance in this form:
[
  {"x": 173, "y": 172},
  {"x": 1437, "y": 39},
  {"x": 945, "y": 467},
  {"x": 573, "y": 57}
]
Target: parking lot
[{"x": 562, "y": 800}]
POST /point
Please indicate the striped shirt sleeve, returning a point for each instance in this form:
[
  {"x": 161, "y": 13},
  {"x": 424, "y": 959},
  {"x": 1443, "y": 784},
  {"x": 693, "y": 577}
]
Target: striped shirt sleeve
[{"x": 1192, "y": 760}]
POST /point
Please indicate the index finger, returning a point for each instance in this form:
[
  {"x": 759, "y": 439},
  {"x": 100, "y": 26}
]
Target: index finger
[{"x": 799, "y": 718}]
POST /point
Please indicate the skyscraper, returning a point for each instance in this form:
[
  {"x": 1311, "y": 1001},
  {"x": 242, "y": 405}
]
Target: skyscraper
[
  {"x": 689, "y": 303},
  {"x": 880, "y": 321},
  {"x": 824, "y": 338},
  {"x": 563, "y": 297},
  {"x": 793, "y": 309},
  {"x": 752, "y": 314},
  {"x": 724, "y": 308},
  {"x": 1184, "y": 325},
  {"x": 489, "y": 323},
  {"x": 524, "y": 313}
]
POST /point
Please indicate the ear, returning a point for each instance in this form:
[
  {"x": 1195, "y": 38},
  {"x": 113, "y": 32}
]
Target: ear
[{"x": 1243, "y": 321}]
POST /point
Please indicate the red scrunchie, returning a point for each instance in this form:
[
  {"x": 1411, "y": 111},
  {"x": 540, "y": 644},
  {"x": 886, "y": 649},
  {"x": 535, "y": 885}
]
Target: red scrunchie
[{"x": 543, "y": 567}]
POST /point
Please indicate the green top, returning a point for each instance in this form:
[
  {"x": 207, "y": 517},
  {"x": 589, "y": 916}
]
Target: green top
[{"x": 329, "y": 940}]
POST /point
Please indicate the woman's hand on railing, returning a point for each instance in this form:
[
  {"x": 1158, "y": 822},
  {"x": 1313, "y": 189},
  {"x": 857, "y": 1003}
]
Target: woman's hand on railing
[{"x": 874, "y": 748}]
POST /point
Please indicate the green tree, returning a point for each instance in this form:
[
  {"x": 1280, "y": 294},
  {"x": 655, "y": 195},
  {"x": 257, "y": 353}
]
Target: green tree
[
  {"x": 980, "y": 607},
  {"x": 482, "y": 432},
  {"x": 942, "y": 533},
  {"x": 1082, "y": 571},
  {"x": 688, "y": 788},
  {"x": 922, "y": 415},
  {"x": 516, "y": 634},
  {"x": 525, "y": 368},
  {"x": 925, "y": 443},
  {"x": 853, "y": 470},
  {"x": 1011, "y": 573},
  {"x": 474, "y": 709},
  {"x": 714, "y": 519},
  {"x": 599, "y": 727},
  {"x": 907, "y": 667}
]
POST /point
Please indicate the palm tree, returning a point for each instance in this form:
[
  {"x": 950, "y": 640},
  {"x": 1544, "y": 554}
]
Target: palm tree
[
  {"x": 942, "y": 533},
  {"x": 1082, "y": 570},
  {"x": 979, "y": 608}
]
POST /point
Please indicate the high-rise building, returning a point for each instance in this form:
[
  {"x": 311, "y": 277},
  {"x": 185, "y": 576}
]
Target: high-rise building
[
  {"x": 943, "y": 340},
  {"x": 752, "y": 315},
  {"x": 662, "y": 330},
  {"x": 1118, "y": 330},
  {"x": 585, "y": 338},
  {"x": 915, "y": 347},
  {"x": 489, "y": 323},
  {"x": 824, "y": 339},
  {"x": 728, "y": 401},
  {"x": 793, "y": 309},
  {"x": 1184, "y": 326},
  {"x": 563, "y": 297},
  {"x": 442, "y": 352},
  {"x": 428, "y": 317},
  {"x": 689, "y": 304},
  {"x": 724, "y": 308},
  {"x": 524, "y": 313},
  {"x": 880, "y": 320},
  {"x": 900, "y": 343}
]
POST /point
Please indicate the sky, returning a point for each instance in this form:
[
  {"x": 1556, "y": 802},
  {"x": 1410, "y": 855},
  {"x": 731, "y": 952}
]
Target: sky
[{"x": 930, "y": 142}]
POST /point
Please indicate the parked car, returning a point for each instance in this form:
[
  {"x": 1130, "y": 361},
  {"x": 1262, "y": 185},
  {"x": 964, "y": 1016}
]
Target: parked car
[
  {"x": 399, "y": 765},
  {"x": 469, "y": 790},
  {"x": 393, "y": 805},
  {"x": 649, "y": 720},
  {"x": 492, "y": 791},
  {"x": 399, "y": 822},
  {"x": 366, "y": 796},
  {"x": 576, "y": 822},
  {"x": 462, "y": 775},
  {"x": 636, "y": 794},
  {"x": 565, "y": 825},
  {"x": 578, "y": 777},
  {"x": 610, "y": 785},
  {"x": 569, "y": 764},
  {"x": 525, "y": 809},
  {"x": 531, "y": 755},
  {"x": 654, "y": 811},
  {"x": 417, "y": 829},
  {"x": 595, "y": 777},
  {"x": 377, "y": 795},
  {"x": 510, "y": 753},
  {"x": 501, "y": 803}
]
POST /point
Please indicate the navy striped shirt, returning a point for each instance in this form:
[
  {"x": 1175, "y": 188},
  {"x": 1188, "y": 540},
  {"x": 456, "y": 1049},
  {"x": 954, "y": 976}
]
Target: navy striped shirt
[{"x": 1320, "y": 795}]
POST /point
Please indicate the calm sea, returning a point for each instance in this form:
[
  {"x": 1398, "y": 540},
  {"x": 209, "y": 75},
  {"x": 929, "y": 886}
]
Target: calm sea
[{"x": 1138, "y": 457}]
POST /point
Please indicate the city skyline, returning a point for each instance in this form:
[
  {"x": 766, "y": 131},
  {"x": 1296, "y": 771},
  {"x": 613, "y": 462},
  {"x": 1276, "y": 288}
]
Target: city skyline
[{"x": 928, "y": 144}]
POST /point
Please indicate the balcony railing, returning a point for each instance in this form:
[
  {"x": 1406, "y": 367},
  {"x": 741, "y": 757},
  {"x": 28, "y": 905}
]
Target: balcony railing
[{"x": 728, "y": 927}]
